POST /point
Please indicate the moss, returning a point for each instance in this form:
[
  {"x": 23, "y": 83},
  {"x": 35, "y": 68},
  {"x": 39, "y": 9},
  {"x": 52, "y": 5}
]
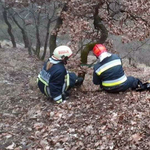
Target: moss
[{"x": 85, "y": 52}]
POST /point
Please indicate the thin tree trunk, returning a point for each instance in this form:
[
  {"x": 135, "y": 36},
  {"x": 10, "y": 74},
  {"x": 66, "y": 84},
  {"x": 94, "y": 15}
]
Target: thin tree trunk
[
  {"x": 24, "y": 33},
  {"x": 9, "y": 27},
  {"x": 38, "y": 42},
  {"x": 53, "y": 36},
  {"x": 104, "y": 34},
  {"x": 46, "y": 39}
]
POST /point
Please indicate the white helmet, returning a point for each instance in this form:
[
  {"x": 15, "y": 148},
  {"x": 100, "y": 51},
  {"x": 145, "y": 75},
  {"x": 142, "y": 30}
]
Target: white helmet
[{"x": 61, "y": 52}]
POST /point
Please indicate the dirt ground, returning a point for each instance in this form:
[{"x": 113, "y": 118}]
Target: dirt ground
[{"x": 89, "y": 120}]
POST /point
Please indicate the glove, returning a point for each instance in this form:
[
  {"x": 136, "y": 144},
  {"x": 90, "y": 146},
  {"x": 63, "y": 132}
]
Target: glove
[
  {"x": 79, "y": 81},
  {"x": 59, "y": 101}
]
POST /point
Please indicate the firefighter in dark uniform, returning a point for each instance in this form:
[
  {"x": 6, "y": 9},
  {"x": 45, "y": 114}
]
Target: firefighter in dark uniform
[
  {"x": 54, "y": 80},
  {"x": 109, "y": 74}
]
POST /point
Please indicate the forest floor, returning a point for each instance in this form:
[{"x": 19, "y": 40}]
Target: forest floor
[{"x": 89, "y": 120}]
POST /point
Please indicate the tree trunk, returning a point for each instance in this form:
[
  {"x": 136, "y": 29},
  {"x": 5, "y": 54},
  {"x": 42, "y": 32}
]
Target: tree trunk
[
  {"x": 46, "y": 39},
  {"x": 104, "y": 34},
  {"x": 24, "y": 33},
  {"x": 9, "y": 27},
  {"x": 85, "y": 52},
  {"x": 38, "y": 42},
  {"x": 53, "y": 36}
]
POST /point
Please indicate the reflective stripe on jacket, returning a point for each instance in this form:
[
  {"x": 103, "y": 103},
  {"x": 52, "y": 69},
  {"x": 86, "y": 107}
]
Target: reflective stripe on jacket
[
  {"x": 109, "y": 72},
  {"x": 54, "y": 80},
  {"x": 114, "y": 82},
  {"x": 107, "y": 66},
  {"x": 44, "y": 88}
]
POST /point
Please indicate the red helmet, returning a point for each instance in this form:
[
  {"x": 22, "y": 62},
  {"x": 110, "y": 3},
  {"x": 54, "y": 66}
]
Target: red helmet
[{"x": 99, "y": 49}]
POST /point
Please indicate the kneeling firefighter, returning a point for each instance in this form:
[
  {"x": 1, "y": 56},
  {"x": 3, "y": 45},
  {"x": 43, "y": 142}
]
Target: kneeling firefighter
[
  {"x": 54, "y": 80},
  {"x": 109, "y": 74}
]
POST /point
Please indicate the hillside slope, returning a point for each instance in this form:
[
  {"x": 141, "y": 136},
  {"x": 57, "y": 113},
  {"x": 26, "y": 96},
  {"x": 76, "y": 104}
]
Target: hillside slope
[{"x": 89, "y": 120}]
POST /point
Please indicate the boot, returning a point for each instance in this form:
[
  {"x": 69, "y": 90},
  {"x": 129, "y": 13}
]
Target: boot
[
  {"x": 79, "y": 81},
  {"x": 144, "y": 86},
  {"x": 148, "y": 86},
  {"x": 65, "y": 95}
]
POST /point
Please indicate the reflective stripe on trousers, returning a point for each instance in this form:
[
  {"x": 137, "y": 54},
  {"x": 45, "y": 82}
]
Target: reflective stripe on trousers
[{"x": 115, "y": 82}]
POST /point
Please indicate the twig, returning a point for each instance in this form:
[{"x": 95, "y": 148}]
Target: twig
[{"x": 136, "y": 48}]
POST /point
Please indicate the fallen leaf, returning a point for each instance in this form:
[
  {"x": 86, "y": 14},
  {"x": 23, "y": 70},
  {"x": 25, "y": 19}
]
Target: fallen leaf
[
  {"x": 136, "y": 137},
  {"x": 11, "y": 146},
  {"x": 38, "y": 125}
]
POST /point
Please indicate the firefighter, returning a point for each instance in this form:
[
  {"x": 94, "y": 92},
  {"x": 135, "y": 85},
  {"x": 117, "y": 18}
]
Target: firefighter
[
  {"x": 109, "y": 73},
  {"x": 54, "y": 80}
]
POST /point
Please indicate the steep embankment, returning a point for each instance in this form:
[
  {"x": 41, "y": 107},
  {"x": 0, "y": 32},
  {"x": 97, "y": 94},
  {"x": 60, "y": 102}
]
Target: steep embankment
[{"x": 90, "y": 120}]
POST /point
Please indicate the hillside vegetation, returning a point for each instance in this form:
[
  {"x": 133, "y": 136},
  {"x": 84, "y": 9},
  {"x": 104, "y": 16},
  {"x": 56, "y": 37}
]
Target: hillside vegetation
[{"x": 89, "y": 120}]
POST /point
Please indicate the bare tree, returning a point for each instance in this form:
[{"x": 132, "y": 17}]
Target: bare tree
[
  {"x": 23, "y": 29},
  {"x": 41, "y": 15},
  {"x": 88, "y": 22},
  {"x": 44, "y": 12},
  {"x": 50, "y": 18},
  {"x": 129, "y": 19},
  {"x": 5, "y": 16},
  {"x": 53, "y": 36}
]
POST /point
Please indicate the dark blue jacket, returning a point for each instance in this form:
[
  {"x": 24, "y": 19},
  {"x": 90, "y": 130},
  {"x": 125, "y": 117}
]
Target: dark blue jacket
[
  {"x": 109, "y": 73},
  {"x": 55, "y": 81},
  {"x": 53, "y": 78}
]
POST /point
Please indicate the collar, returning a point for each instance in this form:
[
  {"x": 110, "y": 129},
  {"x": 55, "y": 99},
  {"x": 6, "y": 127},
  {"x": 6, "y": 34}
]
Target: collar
[
  {"x": 104, "y": 55},
  {"x": 53, "y": 61}
]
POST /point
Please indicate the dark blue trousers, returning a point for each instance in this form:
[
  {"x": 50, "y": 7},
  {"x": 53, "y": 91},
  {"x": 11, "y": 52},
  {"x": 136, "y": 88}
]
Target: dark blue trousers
[{"x": 131, "y": 83}]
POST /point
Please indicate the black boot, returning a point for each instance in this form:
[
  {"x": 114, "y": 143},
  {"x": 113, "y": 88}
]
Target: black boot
[
  {"x": 143, "y": 86},
  {"x": 148, "y": 86},
  {"x": 79, "y": 81},
  {"x": 65, "y": 95}
]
